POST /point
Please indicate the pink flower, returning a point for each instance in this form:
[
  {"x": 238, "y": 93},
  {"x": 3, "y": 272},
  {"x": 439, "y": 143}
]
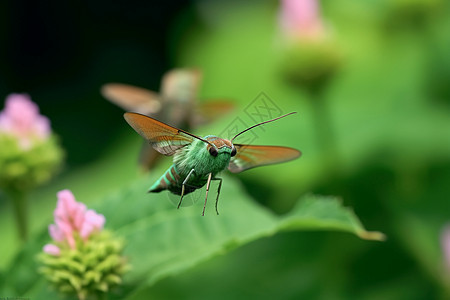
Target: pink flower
[
  {"x": 445, "y": 244},
  {"x": 21, "y": 118},
  {"x": 72, "y": 217},
  {"x": 92, "y": 221},
  {"x": 301, "y": 18},
  {"x": 52, "y": 249}
]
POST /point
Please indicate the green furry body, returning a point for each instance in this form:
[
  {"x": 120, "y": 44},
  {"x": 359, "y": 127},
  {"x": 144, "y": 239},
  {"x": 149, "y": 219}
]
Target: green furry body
[{"x": 193, "y": 156}]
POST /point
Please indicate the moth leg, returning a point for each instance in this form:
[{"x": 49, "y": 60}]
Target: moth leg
[
  {"x": 183, "y": 187},
  {"x": 218, "y": 192},
  {"x": 208, "y": 183}
]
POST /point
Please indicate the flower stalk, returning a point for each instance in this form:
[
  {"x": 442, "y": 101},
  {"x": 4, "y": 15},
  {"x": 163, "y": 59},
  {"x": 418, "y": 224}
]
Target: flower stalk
[
  {"x": 29, "y": 153},
  {"x": 310, "y": 59},
  {"x": 19, "y": 202}
]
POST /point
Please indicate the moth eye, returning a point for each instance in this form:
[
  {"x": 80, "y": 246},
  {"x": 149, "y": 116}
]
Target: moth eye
[
  {"x": 213, "y": 151},
  {"x": 233, "y": 151}
]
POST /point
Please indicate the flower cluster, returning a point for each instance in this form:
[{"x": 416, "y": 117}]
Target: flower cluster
[
  {"x": 72, "y": 217},
  {"x": 310, "y": 51},
  {"x": 29, "y": 154},
  {"x": 21, "y": 119},
  {"x": 301, "y": 19},
  {"x": 83, "y": 259}
]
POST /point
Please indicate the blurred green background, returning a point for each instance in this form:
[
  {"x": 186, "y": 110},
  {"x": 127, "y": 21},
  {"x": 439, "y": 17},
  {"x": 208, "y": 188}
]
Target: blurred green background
[{"x": 375, "y": 132}]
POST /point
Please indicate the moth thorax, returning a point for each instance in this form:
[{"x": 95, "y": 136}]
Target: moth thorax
[{"x": 218, "y": 143}]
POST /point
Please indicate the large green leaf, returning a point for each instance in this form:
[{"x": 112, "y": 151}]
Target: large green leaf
[{"x": 163, "y": 241}]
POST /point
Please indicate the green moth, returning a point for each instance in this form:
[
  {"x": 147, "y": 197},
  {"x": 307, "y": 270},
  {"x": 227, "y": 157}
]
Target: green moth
[{"x": 197, "y": 160}]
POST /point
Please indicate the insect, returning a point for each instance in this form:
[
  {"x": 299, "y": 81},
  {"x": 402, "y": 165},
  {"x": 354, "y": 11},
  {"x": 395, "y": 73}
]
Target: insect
[
  {"x": 176, "y": 104},
  {"x": 197, "y": 160}
]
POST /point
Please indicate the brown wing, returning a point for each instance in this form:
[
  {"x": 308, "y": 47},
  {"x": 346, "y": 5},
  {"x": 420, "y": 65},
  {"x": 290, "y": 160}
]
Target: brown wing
[
  {"x": 148, "y": 157},
  {"x": 132, "y": 98},
  {"x": 162, "y": 137},
  {"x": 206, "y": 112},
  {"x": 248, "y": 156}
]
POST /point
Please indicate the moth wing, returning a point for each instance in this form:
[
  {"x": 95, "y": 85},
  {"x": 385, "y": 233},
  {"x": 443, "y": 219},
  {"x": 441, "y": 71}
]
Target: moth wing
[
  {"x": 249, "y": 156},
  {"x": 148, "y": 157},
  {"x": 132, "y": 98},
  {"x": 206, "y": 112},
  {"x": 162, "y": 137}
]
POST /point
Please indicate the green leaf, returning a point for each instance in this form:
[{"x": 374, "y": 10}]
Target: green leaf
[
  {"x": 162, "y": 241},
  {"x": 320, "y": 212}
]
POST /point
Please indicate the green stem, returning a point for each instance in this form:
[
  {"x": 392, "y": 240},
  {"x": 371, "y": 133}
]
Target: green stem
[
  {"x": 20, "y": 212},
  {"x": 325, "y": 136},
  {"x": 326, "y": 140}
]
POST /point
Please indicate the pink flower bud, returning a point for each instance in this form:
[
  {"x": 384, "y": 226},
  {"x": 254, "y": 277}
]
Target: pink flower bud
[
  {"x": 66, "y": 205},
  {"x": 52, "y": 249},
  {"x": 67, "y": 231},
  {"x": 79, "y": 216},
  {"x": 21, "y": 119},
  {"x": 95, "y": 219},
  {"x": 92, "y": 222},
  {"x": 86, "y": 230},
  {"x": 301, "y": 18},
  {"x": 445, "y": 244},
  {"x": 55, "y": 233},
  {"x": 73, "y": 217}
]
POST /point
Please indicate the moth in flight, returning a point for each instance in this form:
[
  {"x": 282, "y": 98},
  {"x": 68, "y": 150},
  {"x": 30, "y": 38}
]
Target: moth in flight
[{"x": 197, "y": 160}]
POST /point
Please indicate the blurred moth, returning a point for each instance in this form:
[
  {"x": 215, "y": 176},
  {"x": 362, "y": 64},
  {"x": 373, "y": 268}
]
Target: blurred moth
[{"x": 175, "y": 104}]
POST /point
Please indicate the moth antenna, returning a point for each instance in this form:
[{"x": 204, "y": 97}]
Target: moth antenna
[
  {"x": 203, "y": 140},
  {"x": 294, "y": 112}
]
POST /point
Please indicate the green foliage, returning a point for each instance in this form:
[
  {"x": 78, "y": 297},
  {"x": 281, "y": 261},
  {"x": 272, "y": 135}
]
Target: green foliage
[
  {"x": 385, "y": 150},
  {"x": 163, "y": 241},
  {"x": 319, "y": 212}
]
